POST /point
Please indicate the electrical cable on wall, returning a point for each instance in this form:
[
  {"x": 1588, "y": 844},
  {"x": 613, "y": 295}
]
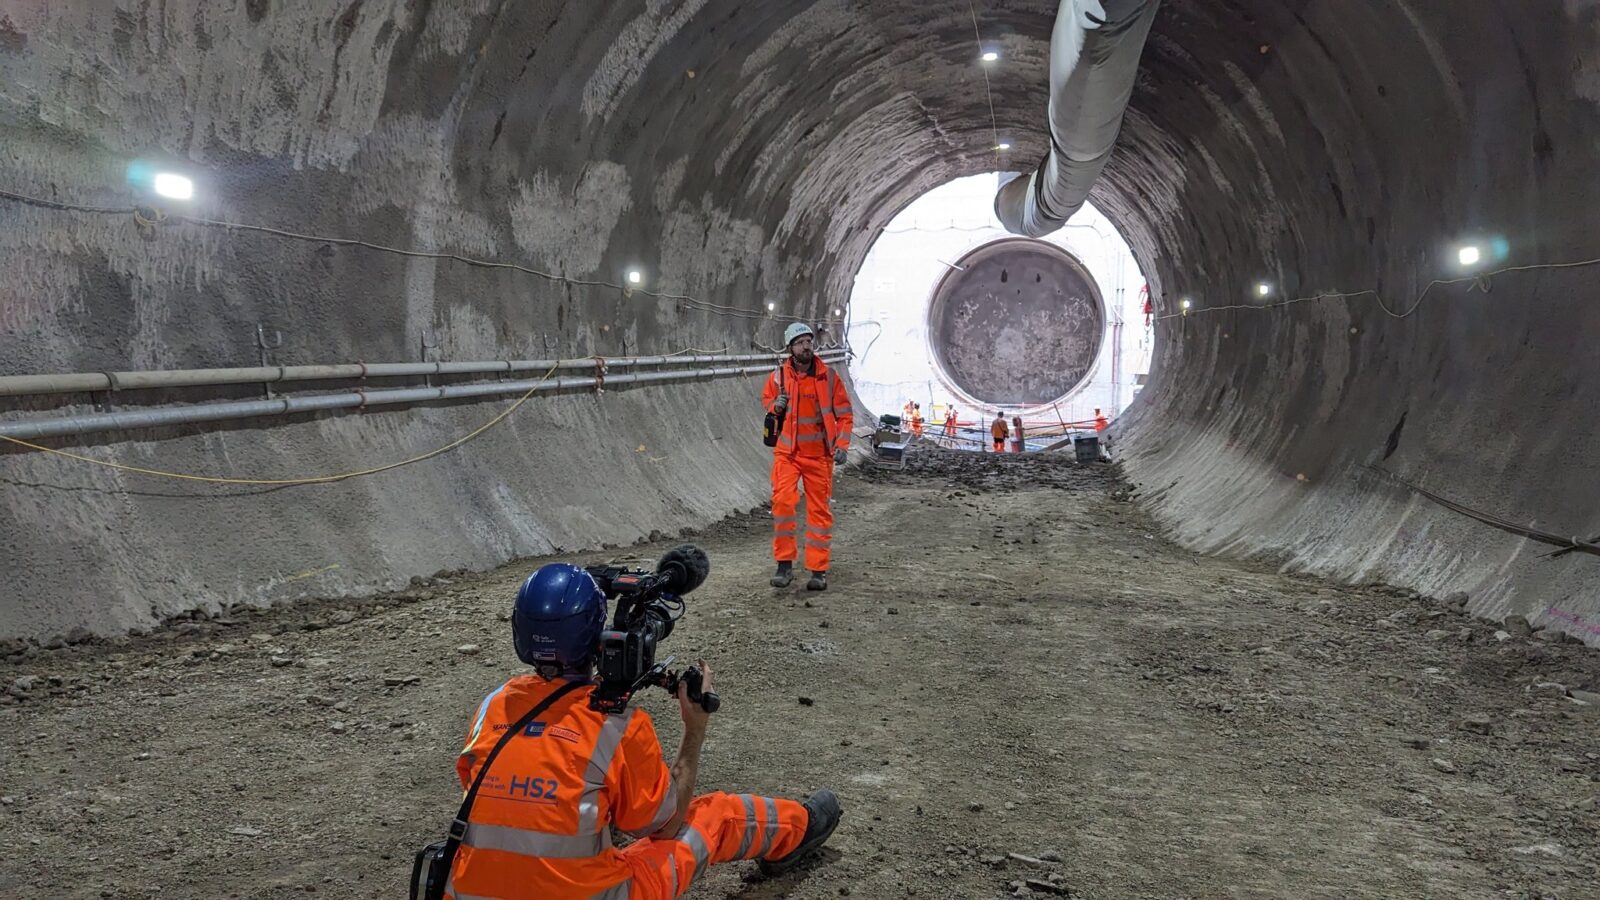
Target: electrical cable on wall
[
  {"x": 1480, "y": 281},
  {"x": 148, "y": 217}
]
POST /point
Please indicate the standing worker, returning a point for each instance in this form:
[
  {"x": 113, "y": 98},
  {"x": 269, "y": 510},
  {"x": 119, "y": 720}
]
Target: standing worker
[
  {"x": 814, "y": 439},
  {"x": 916, "y": 420},
  {"x": 1017, "y": 442},
  {"x": 999, "y": 431},
  {"x": 1100, "y": 422},
  {"x": 950, "y": 424}
]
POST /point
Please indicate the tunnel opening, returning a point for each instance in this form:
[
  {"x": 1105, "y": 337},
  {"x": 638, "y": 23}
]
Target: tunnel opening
[{"x": 950, "y": 312}]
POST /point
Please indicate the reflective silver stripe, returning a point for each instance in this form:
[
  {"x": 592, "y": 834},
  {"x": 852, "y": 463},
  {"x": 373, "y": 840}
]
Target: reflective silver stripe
[
  {"x": 616, "y": 892},
  {"x": 535, "y": 843},
  {"x": 483, "y": 710},
  {"x": 690, "y": 837},
  {"x": 749, "y": 826},
  {"x": 788, "y": 518},
  {"x": 811, "y": 420},
  {"x": 594, "y": 777},
  {"x": 451, "y": 892},
  {"x": 811, "y": 438},
  {"x": 772, "y": 827},
  {"x": 664, "y": 813},
  {"x": 672, "y": 867}
]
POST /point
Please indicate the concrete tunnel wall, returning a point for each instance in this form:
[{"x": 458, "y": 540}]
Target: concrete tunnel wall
[{"x": 749, "y": 151}]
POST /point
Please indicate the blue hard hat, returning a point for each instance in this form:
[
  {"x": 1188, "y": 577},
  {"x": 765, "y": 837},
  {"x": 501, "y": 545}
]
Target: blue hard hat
[{"x": 558, "y": 617}]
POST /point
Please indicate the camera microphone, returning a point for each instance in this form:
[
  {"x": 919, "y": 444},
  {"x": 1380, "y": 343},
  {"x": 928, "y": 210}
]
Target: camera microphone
[{"x": 683, "y": 568}]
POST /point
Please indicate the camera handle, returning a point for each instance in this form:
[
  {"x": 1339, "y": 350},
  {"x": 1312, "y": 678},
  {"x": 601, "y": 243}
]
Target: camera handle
[{"x": 691, "y": 676}]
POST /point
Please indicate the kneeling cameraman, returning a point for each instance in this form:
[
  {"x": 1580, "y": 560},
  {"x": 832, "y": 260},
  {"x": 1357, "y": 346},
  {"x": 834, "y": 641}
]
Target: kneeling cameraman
[{"x": 541, "y": 822}]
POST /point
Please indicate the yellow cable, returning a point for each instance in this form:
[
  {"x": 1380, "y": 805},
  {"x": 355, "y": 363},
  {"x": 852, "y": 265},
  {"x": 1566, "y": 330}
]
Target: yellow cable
[{"x": 317, "y": 479}]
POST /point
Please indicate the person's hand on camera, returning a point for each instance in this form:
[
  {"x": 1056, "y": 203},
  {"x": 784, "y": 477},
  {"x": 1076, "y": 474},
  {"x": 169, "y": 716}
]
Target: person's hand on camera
[
  {"x": 695, "y": 716},
  {"x": 782, "y": 404},
  {"x": 839, "y": 456}
]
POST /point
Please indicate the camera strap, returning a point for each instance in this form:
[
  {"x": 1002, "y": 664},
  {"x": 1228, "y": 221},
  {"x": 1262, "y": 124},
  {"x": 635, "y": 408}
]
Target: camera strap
[{"x": 458, "y": 828}]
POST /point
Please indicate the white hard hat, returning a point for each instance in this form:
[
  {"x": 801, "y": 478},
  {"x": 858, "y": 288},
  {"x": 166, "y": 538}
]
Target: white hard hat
[{"x": 795, "y": 331}]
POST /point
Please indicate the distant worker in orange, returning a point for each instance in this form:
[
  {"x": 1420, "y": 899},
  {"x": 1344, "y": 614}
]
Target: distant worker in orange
[
  {"x": 905, "y": 419},
  {"x": 1016, "y": 426},
  {"x": 950, "y": 422},
  {"x": 814, "y": 438},
  {"x": 916, "y": 420},
  {"x": 1100, "y": 421},
  {"x": 999, "y": 430}
]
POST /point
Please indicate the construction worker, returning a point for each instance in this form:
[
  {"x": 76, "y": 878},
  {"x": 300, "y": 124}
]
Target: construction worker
[
  {"x": 905, "y": 420},
  {"x": 1100, "y": 422},
  {"x": 999, "y": 430},
  {"x": 541, "y": 823},
  {"x": 916, "y": 420},
  {"x": 815, "y": 437},
  {"x": 950, "y": 423},
  {"x": 1016, "y": 427}
]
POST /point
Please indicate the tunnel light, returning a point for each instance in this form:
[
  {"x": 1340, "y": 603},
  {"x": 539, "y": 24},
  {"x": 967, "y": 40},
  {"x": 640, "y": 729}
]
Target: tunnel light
[
  {"x": 771, "y": 307},
  {"x": 1469, "y": 255},
  {"x": 837, "y": 313},
  {"x": 635, "y": 276},
  {"x": 1186, "y": 304},
  {"x": 172, "y": 186},
  {"x": 1263, "y": 290},
  {"x": 990, "y": 56},
  {"x": 1002, "y": 146}
]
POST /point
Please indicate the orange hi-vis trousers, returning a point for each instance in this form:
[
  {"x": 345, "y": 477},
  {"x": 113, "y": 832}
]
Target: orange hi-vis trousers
[
  {"x": 816, "y": 472},
  {"x": 720, "y": 828}
]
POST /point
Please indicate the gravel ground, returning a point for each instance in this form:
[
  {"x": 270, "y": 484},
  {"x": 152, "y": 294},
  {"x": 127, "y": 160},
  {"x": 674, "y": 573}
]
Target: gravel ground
[{"x": 1014, "y": 683}]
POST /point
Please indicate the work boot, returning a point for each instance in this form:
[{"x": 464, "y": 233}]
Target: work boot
[
  {"x": 784, "y": 575},
  {"x": 823, "y": 812},
  {"x": 818, "y": 582}
]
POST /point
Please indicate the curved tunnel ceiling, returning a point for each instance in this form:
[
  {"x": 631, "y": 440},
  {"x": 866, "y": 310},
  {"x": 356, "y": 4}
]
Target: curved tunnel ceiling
[{"x": 746, "y": 152}]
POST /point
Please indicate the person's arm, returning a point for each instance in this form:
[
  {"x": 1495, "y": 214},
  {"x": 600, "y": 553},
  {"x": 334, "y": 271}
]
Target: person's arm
[
  {"x": 686, "y": 768},
  {"x": 772, "y": 394}
]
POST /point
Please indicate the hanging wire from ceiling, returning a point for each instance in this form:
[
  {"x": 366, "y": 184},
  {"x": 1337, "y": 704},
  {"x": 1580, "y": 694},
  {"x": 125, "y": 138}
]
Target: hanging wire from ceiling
[{"x": 977, "y": 38}]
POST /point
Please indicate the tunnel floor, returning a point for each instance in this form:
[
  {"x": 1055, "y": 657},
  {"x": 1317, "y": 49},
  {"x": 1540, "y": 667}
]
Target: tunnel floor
[{"x": 1009, "y": 660}]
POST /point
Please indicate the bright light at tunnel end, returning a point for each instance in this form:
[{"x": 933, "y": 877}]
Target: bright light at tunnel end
[{"x": 172, "y": 186}]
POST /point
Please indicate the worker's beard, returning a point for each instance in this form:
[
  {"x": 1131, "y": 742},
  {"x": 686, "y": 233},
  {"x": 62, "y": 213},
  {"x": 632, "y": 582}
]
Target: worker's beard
[{"x": 802, "y": 358}]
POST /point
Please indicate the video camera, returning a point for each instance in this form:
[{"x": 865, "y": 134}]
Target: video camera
[{"x": 648, "y": 605}]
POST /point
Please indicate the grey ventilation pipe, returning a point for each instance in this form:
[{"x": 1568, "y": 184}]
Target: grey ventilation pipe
[
  {"x": 86, "y": 382},
  {"x": 1094, "y": 56},
  {"x": 62, "y": 426}
]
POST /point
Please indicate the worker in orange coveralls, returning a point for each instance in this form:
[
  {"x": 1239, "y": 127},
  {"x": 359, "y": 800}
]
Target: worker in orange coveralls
[
  {"x": 541, "y": 823},
  {"x": 999, "y": 430},
  {"x": 916, "y": 420},
  {"x": 815, "y": 436},
  {"x": 1101, "y": 423},
  {"x": 950, "y": 422}
]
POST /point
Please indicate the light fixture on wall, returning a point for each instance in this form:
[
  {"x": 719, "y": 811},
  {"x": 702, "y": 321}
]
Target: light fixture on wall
[
  {"x": 1003, "y": 145},
  {"x": 771, "y": 307},
  {"x": 172, "y": 186},
  {"x": 1469, "y": 255},
  {"x": 635, "y": 276},
  {"x": 1263, "y": 289},
  {"x": 990, "y": 56}
]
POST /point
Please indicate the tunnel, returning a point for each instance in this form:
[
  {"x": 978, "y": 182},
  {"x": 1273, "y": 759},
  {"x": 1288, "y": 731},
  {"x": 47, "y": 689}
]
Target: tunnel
[
  {"x": 742, "y": 156},
  {"x": 498, "y": 281}
]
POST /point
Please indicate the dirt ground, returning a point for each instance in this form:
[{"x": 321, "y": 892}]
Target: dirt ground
[{"x": 1009, "y": 659}]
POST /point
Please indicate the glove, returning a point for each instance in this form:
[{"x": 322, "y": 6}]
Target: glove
[
  {"x": 839, "y": 455},
  {"x": 782, "y": 404}
]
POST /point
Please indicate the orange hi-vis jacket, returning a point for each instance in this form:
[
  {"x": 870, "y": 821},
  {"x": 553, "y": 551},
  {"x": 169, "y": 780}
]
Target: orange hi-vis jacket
[
  {"x": 540, "y": 825},
  {"x": 819, "y": 419}
]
